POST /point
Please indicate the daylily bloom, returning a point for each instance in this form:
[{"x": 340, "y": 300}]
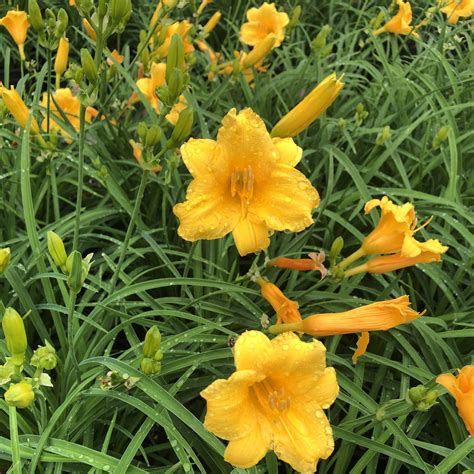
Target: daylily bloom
[
  {"x": 245, "y": 183},
  {"x": 456, "y": 9},
  {"x": 390, "y": 263},
  {"x": 17, "y": 24},
  {"x": 261, "y": 22},
  {"x": 462, "y": 389},
  {"x": 148, "y": 87},
  {"x": 310, "y": 108},
  {"x": 70, "y": 106},
  {"x": 400, "y": 23},
  {"x": 379, "y": 316},
  {"x": 274, "y": 401},
  {"x": 314, "y": 262},
  {"x": 286, "y": 309},
  {"x": 18, "y": 108},
  {"x": 181, "y": 28}
]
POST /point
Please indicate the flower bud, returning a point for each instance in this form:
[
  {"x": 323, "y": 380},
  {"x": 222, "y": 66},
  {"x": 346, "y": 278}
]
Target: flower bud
[
  {"x": 5, "y": 255},
  {"x": 212, "y": 23},
  {"x": 75, "y": 270},
  {"x": 440, "y": 137},
  {"x": 383, "y": 135},
  {"x": 152, "y": 342},
  {"x": 62, "y": 55},
  {"x": 15, "y": 335},
  {"x": 20, "y": 395},
  {"x": 153, "y": 136},
  {"x": 319, "y": 44},
  {"x": 18, "y": 108},
  {"x": 182, "y": 128},
  {"x": 56, "y": 249},
  {"x": 44, "y": 357},
  {"x": 102, "y": 8},
  {"x": 295, "y": 16},
  {"x": 310, "y": 108},
  {"x": 36, "y": 18},
  {"x": 61, "y": 23},
  {"x": 169, "y": 3},
  {"x": 142, "y": 130},
  {"x": 175, "y": 84},
  {"x": 422, "y": 398},
  {"x": 120, "y": 11},
  {"x": 336, "y": 248},
  {"x": 150, "y": 366},
  {"x": 175, "y": 58},
  {"x": 259, "y": 52},
  {"x": 88, "y": 66}
]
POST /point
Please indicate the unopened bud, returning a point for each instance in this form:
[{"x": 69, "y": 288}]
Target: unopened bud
[
  {"x": 259, "y": 52},
  {"x": 20, "y": 395},
  {"x": 15, "y": 335},
  {"x": 102, "y": 8},
  {"x": 422, "y": 398},
  {"x": 36, "y": 19},
  {"x": 142, "y": 130},
  {"x": 319, "y": 44},
  {"x": 383, "y": 135},
  {"x": 440, "y": 137},
  {"x": 62, "y": 56},
  {"x": 212, "y": 23},
  {"x": 153, "y": 136},
  {"x": 61, "y": 24},
  {"x": 182, "y": 128},
  {"x": 44, "y": 357},
  {"x": 88, "y": 66},
  {"x": 74, "y": 268},
  {"x": 56, "y": 249},
  {"x": 175, "y": 58},
  {"x": 152, "y": 342},
  {"x": 5, "y": 256},
  {"x": 120, "y": 11},
  {"x": 336, "y": 248},
  {"x": 295, "y": 16},
  {"x": 175, "y": 84}
]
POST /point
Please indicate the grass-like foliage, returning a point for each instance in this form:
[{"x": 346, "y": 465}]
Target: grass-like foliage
[{"x": 402, "y": 127}]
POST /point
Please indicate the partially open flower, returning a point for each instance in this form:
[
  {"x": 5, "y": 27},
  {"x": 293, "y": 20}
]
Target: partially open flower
[
  {"x": 18, "y": 108},
  {"x": 17, "y": 24},
  {"x": 274, "y": 401},
  {"x": 462, "y": 389},
  {"x": 181, "y": 28},
  {"x": 400, "y": 23}
]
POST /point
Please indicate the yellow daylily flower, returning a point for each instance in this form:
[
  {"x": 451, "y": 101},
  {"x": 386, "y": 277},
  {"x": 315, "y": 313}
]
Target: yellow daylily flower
[
  {"x": 181, "y": 28},
  {"x": 379, "y": 316},
  {"x": 158, "y": 79},
  {"x": 70, "y": 106},
  {"x": 261, "y": 22},
  {"x": 286, "y": 310},
  {"x": 17, "y": 24},
  {"x": 310, "y": 108},
  {"x": 18, "y": 108},
  {"x": 400, "y": 23},
  {"x": 244, "y": 183},
  {"x": 462, "y": 389},
  {"x": 456, "y": 9},
  {"x": 274, "y": 401}
]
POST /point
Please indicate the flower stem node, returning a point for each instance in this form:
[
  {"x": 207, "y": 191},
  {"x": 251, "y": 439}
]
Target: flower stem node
[
  {"x": 20, "y": 395},
  {"x": 15, "y": 336}
]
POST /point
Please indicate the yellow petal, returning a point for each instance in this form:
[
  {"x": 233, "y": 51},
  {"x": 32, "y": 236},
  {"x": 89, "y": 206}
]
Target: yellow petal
[
  {"x": 248, "y": 346},
  {"x": 323, "y": 391},
  {"x": 362, "y": 344},
  {"x": 285, "y": 200},
  {"x": 465, "y": 406},
  {"x": 230, "y": 413},
  {"x": 302, "y": 438},
  {"x": 158, "y": 74},
  {"x": 208, "y": 212},
  {"x": 248, "y": 450},
  {"x": 245, "y": 142},
  {"x": 449, "y": 382},
  {"x": 198, "y": 156},
  {"x": 250, "y": 236},
  {"x": 290, "y": 153}
]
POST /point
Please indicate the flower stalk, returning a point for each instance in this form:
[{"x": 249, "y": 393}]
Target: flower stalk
[{"x": 15, "y": 441}]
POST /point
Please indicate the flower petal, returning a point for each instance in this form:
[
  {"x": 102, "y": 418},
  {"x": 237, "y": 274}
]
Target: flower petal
[
  {"x": 285, "y": 200},
  {"x": 231, "y": 414},
  {"x": 252, "y": 351},
  {"x": 449, "y": 382},
  {"x": 302, "y": 438},
  {"x": 465, "y": 406},
  {"x": 250, "y": 236},
  {"x": 290, "y": 152},
  {"x": 208, "y": 212},
  {"x": 198, "y": 155},
  {"x": 248, "y": 450}
]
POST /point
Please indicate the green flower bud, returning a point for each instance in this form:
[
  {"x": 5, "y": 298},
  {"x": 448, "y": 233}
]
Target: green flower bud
[
  {"x": 102, "y": 8},
  {"x": 336, "y": 248},
  {"x": 176, "y": 84},
  {"x": 5, "y": 256},
  {"x": 142, "y": 130},
  {"x": 153, "y": 136},
  {"x": 422, "y": 398},
  {"x": 44, "y": 357},
  {"x": 75, "y": 269},
  {"x": 36, "y": 19},
  {"x": 295, "y": 16},
  {"x": 150, "y": 366},
  {"x": 152, "y": 342},
  {"x": 56, "y": 249},
  {"x": 182, "y": 128},
  {"x": 61, "y": 24},
  {"x": 175, "y": 58},
  {"x": 384, "y": 135},
  {"x": 15, "y": 335},
  {"x": 319, "y": 45},
  {"x": 440, "y": 137},
  {"x": 6, "y": 372},
  {"x": 88, "y": 66},
  {"x": 120, "y": 11},
  {"x": 20, "y": 395}
]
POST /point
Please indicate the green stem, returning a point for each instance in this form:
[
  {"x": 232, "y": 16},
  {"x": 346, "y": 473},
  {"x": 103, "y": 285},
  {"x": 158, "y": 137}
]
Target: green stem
[
  {"x": 131, "y": 225},
  {"x": 15, "y": 442},
  {"x": 99, "y": 45},
  {"x": 356, "y": 270},
  {"x": 48, "y": 111},
  {"x": 80, "y": 177},
  {"x": 54, "y": 190},
  {"x": 352, "y": 258},
  {"x": 71, "y": 356}
]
